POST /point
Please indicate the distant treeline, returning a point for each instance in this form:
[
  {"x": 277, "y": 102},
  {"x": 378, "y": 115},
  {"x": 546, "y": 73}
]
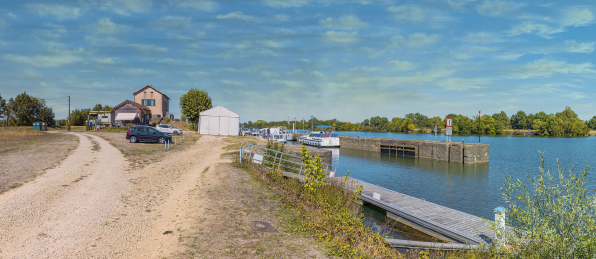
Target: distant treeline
[
  {"x": 564, "y": 123},
  {"x": 79, "y": 116},
  {"x": 23, "y": 110}
]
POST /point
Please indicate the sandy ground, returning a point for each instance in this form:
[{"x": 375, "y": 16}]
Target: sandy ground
[{"x": 96, "y": 204}]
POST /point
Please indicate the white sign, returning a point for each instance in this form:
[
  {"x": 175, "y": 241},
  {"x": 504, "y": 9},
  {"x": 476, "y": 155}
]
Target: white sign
[
  {"x": 376, "y": 196},
  {"x": 257, "y": 159},
  {"x": 448, "y": 131},
  {"x": 449, "y": 122}
]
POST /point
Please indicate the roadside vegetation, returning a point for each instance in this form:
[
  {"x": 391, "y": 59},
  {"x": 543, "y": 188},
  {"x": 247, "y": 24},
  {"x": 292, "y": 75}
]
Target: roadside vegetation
[
  {"x": 26, "y": 153},
  {"x": 564, "y": 123}
]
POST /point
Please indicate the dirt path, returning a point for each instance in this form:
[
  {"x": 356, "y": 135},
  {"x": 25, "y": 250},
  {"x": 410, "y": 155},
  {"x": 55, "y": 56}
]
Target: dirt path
[{"x": 95, "y": 205}]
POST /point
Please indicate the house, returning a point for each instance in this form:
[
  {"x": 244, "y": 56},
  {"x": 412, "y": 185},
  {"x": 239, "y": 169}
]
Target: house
[
  {"x": 131, "y": 112},
  {"x": 156, "y": 101}
]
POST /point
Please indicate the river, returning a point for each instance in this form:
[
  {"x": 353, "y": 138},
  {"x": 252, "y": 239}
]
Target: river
[{"x": 471, "y": 188}]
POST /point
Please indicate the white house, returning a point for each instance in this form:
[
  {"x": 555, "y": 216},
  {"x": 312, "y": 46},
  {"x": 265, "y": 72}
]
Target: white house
[{"x": 219, "y": 121}]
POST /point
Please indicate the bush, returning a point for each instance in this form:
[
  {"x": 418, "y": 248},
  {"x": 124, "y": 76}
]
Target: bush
[{"x": 552, "y": 219}]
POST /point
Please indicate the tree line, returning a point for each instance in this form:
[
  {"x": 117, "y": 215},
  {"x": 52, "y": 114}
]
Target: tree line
[
  {"x": 564, "y": 123},
  {"x": 24, "y": 110}
]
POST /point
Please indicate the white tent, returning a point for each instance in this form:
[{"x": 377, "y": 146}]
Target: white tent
[{"x": 219, "y": 121}]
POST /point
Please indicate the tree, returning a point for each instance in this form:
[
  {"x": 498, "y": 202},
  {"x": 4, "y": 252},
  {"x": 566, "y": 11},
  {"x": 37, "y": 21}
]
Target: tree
[
  {"x": 2, "y": 108},
  {"x": 97, "y": 107},
  {"x": 27, "y": 109},
  {"x": 519, "y": 120},
  {"x": 193, "y": 103},
  {"x": 107, "y": 108},
  {"x": 592, "y": 123}
]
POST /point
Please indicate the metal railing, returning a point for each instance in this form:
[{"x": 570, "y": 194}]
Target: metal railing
[{"x": 270, "y": 158}]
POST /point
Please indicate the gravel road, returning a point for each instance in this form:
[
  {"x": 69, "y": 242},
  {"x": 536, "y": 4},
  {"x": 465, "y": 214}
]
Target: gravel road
[{"x": 95, "y": 205}]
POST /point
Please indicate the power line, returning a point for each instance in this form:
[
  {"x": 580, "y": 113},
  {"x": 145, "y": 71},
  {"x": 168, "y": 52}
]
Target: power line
[{"x": 66, "y": 97}]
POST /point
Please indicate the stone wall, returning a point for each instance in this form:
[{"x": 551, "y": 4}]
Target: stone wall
[{"x": 468, "y": 153}]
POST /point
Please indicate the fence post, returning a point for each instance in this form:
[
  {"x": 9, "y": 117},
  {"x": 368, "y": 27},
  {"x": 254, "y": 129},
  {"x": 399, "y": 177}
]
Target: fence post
[
  {"x": 165, "y": 146},
  {"x": 168, "y": 144},
  {"x": 241, "y": 155},
  {"x": 280, "y": 158},
  {"x": 175, "y": 141}
]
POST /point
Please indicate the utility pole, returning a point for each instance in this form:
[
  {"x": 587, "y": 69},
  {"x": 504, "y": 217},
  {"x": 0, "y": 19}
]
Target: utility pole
[
  {"x": 479, "y": 127},
  {"x": 69, "y": 113},
  {"x": 302, "y": 123}
]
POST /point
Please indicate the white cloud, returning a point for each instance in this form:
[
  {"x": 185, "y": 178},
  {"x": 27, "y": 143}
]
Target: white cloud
[
  {"x": 287, "y": 83},
  {"x": 29, "y": 73},
  {"x": 124, "y": 7},
  {"x": 416, "y": 14},
  {"x": 51, "y": 31},
  {"x": 107, "y": 61},
  {"x": 459, "y": 4},
  {"x": 340, "y": 36},
  {"x": 403, "y": 65},
  {"x": 148, "y": 49},
  {"x": 202, "y": 5},
  {"x": 233, "y": 83},
  {"x": 172, "y": 23},
  {"x": 282, "y": 17},
  {"x": 475, "y": 48},
  {"x": 106, "y": 26},
  {"x": 271, "y": 44},
  {"x": 497, "y": 8},
  {"x": 11, "y": 15},
  {"x": 348, "y": 22},
  {"x": 176, "y": 62},
  {"x": 197, "y": 74},
  {"x": 458, "y": 83},
  {"x": 3, "y": 24},
  {"x": 579, "y": 47},
  {"x": 238, "y": 16},
  {"x": 483, "y": 37},
  {"x": 416, "y": 40},
  {"x": 61, "y": 12},
  {"x": 542, "y": 30},
  {"x": 54, "y": 58},
  {"x": 576, "y": 95},
  {"x": 545, "y": 68},
  {"x": 107, "y": 41},
  {"x": 139, "y": 72},
  {"x": 285, "y": 3},
  {"x": 508, "y": 56},
  {"x": 577, "y": 16}
]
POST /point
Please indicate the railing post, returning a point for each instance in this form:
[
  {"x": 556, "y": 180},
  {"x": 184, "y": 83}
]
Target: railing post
[
  {"x": 241, "y": 155},
  {"x": 280, "y": 158}
]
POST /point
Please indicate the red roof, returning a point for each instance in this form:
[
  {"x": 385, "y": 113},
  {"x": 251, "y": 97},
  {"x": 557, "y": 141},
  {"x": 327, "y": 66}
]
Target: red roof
[
  {"x": 150, "y": 86},
  {"x": 132, "y": 103}
]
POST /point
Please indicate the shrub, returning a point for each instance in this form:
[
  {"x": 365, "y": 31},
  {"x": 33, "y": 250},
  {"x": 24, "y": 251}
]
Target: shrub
[{"x": 552, "y": 219}]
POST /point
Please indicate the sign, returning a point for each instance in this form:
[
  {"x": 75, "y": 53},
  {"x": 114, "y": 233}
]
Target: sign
[
  {"x": 449, "y": 122},
  {"x": 449, "y": 127}
]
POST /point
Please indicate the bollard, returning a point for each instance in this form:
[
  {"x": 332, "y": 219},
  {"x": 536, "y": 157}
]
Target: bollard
[
  {"x": 168, "y": 144},
  {"x": 500, "y": 220},
  {"x": 175, "y": 142},
  {"x": 165, "y": 146},
  {"x": 240, "y": 155}
]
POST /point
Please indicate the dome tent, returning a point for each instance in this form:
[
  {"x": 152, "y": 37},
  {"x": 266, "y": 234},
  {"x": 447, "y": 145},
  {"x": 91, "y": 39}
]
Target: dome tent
[{"x": 219, "y": 121}]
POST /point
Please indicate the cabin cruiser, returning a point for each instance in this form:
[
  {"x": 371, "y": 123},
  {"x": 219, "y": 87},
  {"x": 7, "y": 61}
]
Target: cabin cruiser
[
  {"x": 320, "y": 138},
  {"x": 280, "y": 133}
]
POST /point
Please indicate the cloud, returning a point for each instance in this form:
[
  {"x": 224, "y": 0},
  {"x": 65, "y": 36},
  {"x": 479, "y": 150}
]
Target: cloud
[
  {"x": 576, "y": 95},
  {"x": 139, "y": 72},
  {"x": 238, "y": 16},
  {"x": 475, "y": 48},
  {"x": 282, "y": 17},
  {"x": 197, "y": 74},
  {"x": 459, "y": 4},
  {"x": 172, "y": 23},
  {"x": 61, "y": 12},
  {"x": 202, "y": 5},
  {"x": 30, "y": 73},
  {"x": 579, "y": 47},
  {"x": 233, "y": 83},
  {"x": 577, "y": 16},
  {"x": 481, "y": 37},
  {"x": 54, "y": 58},
  {"x": 546, "y": 68},
  {"x": 107, "y": 41},
  {"x": 11, "y": 15},
  {"x": 287, "y": 83},
  {"x": 341, "y": 37},
  {"x": 107, "y": 61},
  {"x": 124, "y": 7},
  {"x": 497, "y": 8},
  {"x": 416, "y": 14},
  {"x": 176, "y": 62},
  {"x": 508, "y": 56},
  {"x": 416, "y": 40},
  {"x": 51, "y": 30},
  {"x": 285, "y": 3},
  {"x": 348, "y": 22},
  {"x": 458, "y": 83},
  {"x": 403, "y": 65},
  {"x": 3, "y": 24},
  {"x": 148, "y": 49},
  {"x": 106, "y": 26},
  {"x": 542, "y": 30}
]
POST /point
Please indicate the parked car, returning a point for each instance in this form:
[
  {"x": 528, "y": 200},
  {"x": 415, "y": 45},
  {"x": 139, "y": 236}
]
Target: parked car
[
  {"x": 169, "y": 129},
  {"x": 147, "y": 134}
]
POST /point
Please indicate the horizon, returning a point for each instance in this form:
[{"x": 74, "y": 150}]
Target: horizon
[{"x": 270, "y": 59}]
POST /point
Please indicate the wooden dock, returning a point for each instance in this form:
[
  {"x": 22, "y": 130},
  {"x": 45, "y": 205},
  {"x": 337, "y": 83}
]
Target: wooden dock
[{"x": 438, "y": 221}]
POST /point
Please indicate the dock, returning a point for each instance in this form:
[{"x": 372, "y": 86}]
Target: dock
[{"x": 444, "y": 223}]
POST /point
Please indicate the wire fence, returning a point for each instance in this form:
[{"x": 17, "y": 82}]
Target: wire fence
[{"x": 271, "y": 159}]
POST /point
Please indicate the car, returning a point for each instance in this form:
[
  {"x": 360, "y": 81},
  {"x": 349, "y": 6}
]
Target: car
[
  {"x": 169, "y": 129},
  {"x": 147, "y": 134}
]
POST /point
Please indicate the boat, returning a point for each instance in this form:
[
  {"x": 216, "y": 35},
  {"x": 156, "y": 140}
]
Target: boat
[
  {"x": 320, "y": 138},
  {"x": 280, "y": 133}
]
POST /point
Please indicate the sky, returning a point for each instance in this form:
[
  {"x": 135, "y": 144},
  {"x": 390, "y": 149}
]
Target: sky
[{"x": 274, "y": 59}]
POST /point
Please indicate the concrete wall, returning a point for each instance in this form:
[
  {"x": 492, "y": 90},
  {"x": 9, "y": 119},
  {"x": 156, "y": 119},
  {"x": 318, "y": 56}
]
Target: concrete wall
[
  {"x": 324, "y": 155},
  {"x": 468, "y": 153}
]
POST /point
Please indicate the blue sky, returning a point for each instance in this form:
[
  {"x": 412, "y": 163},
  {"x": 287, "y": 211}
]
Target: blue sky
[{"x": 271, "y": 59}]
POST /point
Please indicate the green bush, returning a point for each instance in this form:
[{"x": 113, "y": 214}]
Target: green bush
[{"x": 552, "y": 218}]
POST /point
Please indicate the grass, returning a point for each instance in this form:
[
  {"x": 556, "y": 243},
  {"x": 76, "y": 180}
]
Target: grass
[{"x": 41, "y": 150}]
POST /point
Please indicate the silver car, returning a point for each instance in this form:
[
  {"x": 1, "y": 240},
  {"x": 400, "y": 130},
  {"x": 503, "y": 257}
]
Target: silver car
[{"x": 169, "y": 129}]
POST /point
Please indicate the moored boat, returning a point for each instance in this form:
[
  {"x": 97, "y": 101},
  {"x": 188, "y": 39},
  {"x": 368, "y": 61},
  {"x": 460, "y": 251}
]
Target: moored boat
[{"x": 321, "y": 138}]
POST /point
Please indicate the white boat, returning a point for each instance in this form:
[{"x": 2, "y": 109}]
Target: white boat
[
  {"x": 320, "y": 139},
  {"x": 280, "y": 133}
]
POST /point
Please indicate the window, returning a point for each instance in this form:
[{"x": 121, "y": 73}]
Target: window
[
  {"x": 150, "y": 130},
  {"x": 148, "y": 102}
]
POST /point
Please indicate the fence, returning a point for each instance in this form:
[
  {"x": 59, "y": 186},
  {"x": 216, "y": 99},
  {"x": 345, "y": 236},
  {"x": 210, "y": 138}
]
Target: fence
[{"x": 270, "y": 158}]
